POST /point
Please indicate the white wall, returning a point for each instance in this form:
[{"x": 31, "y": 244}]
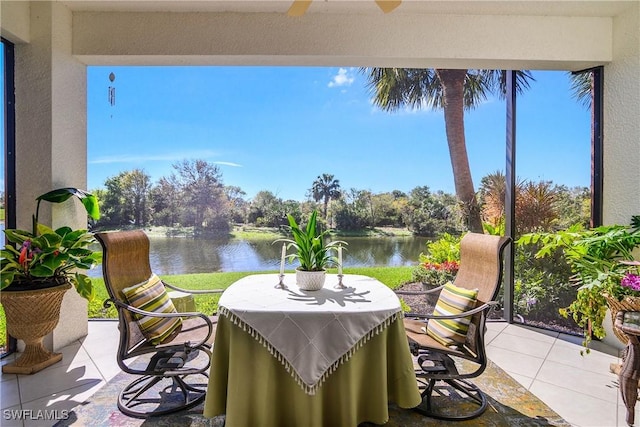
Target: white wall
[
  {"x": 51, "y": 142},
  {"x": 455, "y": 41},
  {"x": 622, "y": 122},
  {"x": 14, "y": 18}
]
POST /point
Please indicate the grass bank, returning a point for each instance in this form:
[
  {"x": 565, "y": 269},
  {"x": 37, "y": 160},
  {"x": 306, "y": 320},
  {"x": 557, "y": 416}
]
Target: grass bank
[{"x": 393, "y": 277}]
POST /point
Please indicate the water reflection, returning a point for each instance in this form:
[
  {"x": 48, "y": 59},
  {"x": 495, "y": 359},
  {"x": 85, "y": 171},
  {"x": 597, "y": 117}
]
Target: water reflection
[{"x": 178, "y": 255}]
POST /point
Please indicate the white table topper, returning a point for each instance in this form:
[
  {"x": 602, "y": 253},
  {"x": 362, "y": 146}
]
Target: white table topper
[{"x": 310, "y": 332}]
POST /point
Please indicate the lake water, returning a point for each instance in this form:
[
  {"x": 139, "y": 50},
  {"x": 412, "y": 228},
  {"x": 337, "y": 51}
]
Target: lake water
[{"x": 179, "y": 255}]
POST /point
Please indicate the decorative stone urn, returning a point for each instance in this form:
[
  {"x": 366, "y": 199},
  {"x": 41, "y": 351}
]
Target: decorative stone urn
[
  {"x": 32, "y": 315},
  {"x": 310, "y": 280}
]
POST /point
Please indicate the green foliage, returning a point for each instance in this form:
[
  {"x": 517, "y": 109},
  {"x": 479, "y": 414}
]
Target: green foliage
[
  {"x": 45, "y": 255},
  {"x": 573, "y": 206},
  {"x": 166, "y": 203},
  {"x": 541, "y": 284},
  {"x": 126, "y": 199},
  {"x": 204, "y": 203},
  {"x": 495, "y": 230},
  {"x": 386, "y": 209},
  {"x": 441, "y": 262},
  {"x": 192, "y": 196},
  {"x": 594, "y": 256},
  {"x": 268, "y": 210},
  {"x": 89, "y": 201},
  {"x": 446, "y": 248},
  {"x": 311, "y": 250},
  {"x": 351, "y": 211},
  {"x": 429, "y": 214}
]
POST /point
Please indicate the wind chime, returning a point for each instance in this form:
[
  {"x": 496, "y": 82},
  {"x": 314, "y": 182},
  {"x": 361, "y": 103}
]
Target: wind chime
[{"x": 111, "y": 95}]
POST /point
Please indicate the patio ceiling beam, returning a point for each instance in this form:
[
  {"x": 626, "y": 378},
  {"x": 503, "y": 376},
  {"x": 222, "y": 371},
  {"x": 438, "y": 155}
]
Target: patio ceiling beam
[{"x": 403, "y": 40}]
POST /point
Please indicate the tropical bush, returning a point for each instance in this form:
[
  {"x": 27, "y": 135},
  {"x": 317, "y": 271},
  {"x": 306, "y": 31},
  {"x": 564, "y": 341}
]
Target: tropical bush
[
  {"x": 541, "y": 286},
  {"x": 440, "y": 263},
  {"x": 599, "y": 261}
]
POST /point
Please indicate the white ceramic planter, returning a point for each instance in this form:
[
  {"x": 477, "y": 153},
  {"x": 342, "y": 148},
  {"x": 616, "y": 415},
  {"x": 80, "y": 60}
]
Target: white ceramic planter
[{"x": 310, "y": 280}]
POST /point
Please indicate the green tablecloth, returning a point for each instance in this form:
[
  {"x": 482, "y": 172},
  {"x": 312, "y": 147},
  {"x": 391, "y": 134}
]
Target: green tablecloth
[{"x": 253, "y": 389}]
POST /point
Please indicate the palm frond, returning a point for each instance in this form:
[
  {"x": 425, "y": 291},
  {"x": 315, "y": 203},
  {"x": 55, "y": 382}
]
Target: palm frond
[
  {"x": 582, "y": 87},
  {"x": 418, "y": 88}
]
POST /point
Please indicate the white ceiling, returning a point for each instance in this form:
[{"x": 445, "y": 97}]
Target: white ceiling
[{"x": 456, "y": 7}]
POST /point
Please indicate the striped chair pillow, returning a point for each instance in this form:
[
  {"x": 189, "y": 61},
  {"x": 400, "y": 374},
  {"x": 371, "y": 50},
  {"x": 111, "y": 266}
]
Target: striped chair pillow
[
  {"x": 151, "y": 295},
  {"x": 452, "y": 300}
]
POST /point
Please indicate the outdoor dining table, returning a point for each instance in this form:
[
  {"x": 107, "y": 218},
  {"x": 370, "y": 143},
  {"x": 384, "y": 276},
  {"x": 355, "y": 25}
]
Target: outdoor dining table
[{"x": 289, "y": 357}]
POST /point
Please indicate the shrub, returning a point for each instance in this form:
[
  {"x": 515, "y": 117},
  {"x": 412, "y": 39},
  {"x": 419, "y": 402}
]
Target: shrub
[{"x": 440, "y": 264}]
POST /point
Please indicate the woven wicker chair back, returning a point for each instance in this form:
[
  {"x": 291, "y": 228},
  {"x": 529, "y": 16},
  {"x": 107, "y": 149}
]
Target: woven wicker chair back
[{"x": 125, "y": 262}]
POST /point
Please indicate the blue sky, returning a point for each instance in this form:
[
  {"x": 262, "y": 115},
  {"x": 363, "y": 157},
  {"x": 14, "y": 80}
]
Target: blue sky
[{"x": 278, "y": 128}]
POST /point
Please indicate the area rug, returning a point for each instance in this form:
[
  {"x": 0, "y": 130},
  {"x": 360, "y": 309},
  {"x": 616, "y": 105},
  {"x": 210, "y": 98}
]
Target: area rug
[{"x": 510, "y": 404}]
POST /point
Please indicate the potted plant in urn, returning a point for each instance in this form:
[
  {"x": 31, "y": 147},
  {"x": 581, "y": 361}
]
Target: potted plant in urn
[
  {"x": 312, "y": 251},
  {"x": 602, "y": 259},
  {"x": 36, "y": 268}
]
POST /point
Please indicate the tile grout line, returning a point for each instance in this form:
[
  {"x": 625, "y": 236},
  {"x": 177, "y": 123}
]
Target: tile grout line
[
  {"x": 544, "y": 359},
  {"x": 95, "y": 365}
]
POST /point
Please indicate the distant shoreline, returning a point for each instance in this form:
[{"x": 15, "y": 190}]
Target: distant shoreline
[{"x": 250, "y": 232}]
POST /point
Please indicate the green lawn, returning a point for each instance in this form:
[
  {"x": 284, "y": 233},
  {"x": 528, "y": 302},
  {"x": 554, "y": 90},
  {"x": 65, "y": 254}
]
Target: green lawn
[{"x": 390, "y": 276}]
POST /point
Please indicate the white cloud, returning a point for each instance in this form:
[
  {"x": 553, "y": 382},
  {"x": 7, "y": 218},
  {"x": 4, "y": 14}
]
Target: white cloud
[
  {"x": 132, "y": 158},
  {"x": 236, "y": 165},
  {"x": 343, "y": 78}
]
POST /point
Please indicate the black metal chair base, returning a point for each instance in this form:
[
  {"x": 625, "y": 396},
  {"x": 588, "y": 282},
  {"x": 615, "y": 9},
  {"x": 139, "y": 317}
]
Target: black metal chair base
[
  {"x": 470, "y": 392},
  {"x": 140, "y": 400}
]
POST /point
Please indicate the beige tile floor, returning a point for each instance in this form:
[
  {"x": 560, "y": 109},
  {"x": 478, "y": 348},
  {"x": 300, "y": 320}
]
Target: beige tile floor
[{"x": 579, "y": 388}]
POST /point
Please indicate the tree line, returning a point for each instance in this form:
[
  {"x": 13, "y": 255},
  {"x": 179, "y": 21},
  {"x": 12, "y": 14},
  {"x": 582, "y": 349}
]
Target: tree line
[{"x": 194, "y": 195}]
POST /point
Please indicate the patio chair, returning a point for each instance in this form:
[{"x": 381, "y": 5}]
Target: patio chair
[
  {"x": 175, "y": 348},
  {"x": 454, "y": 332}
]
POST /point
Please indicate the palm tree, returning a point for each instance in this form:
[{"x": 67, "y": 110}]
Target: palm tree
[
  {"x": 453, "y": 91},
  {"x": 536, "y": 206},
  {"x": 536, "y": 203},
  {"x": 493, "y": 190},
  {"x": 325, "y": 188}
]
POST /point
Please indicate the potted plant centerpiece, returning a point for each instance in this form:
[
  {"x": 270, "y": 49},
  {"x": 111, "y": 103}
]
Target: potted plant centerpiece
[
  {"x": 602, "y": 259},
  {"x": 36, "y": 273},
  {"x": 313, "y": 252}
]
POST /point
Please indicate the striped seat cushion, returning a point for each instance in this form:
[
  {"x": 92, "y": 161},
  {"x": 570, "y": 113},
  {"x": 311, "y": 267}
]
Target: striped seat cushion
[
  {"x": 151, "y": 295},
  {"x": 452, "y": 300}
]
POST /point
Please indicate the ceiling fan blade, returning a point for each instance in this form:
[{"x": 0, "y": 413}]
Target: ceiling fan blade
[
  {"x": 388, "y": 5},
  {"x": 299, "y": 7}
]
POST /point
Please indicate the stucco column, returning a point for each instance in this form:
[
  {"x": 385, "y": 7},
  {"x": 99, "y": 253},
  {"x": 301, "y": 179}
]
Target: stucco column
[
  {"x": 51, "y": 143},
  {"x": 621, "y": 148}
]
